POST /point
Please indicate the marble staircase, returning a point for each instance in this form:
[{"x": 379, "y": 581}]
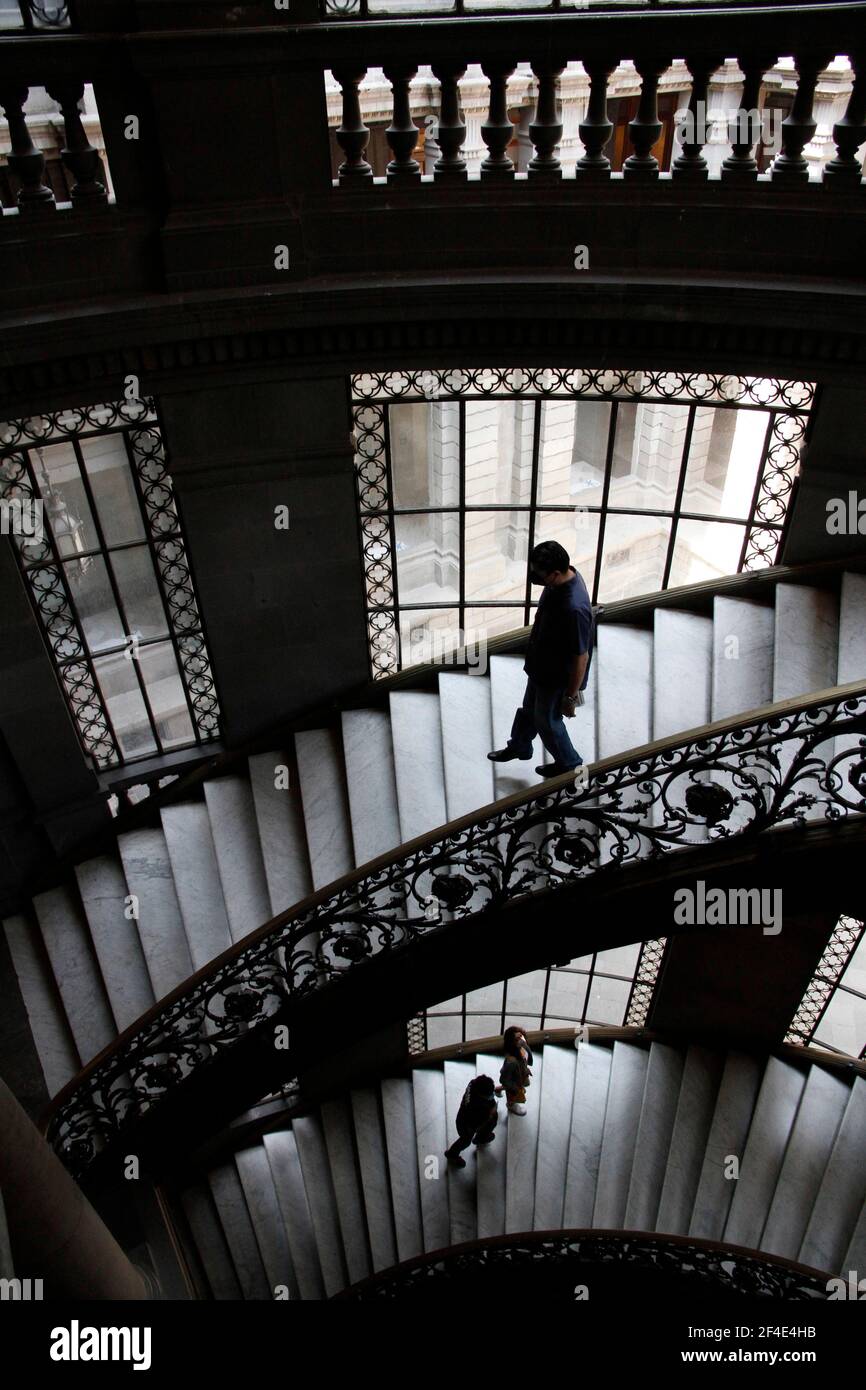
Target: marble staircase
[
  {"x": 617, "y": 1135},
  {"x": 127, "y": 927}
]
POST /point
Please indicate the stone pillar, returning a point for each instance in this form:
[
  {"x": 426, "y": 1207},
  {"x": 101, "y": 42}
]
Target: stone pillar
[{"x": 54, "y": 1231}]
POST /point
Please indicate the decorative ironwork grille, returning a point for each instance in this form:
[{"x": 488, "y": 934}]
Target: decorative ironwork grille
[
  {"x": 461, "y": 472},
  {"x": 742, "y": 779},
  {"x": 109, "y": 577},
  {"x": 827, "y": 985}
]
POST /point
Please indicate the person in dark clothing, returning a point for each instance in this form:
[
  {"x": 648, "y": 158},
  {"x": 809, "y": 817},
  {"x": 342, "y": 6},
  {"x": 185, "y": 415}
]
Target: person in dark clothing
[
  {"x": 476, "y": 1118},
  {"x": 516, "y": 1070},
  {"x": 556, "y": 665}
]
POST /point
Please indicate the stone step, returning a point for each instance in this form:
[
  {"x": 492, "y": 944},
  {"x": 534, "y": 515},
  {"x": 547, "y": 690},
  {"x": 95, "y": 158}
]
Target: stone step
[
  {"x": 732, "y": 1116},
  {"x": 374, "y": 1176},
  {"x": 191, "y": 851},
  {"x": 694, "y": 1116},
  {"x": 210, "y": 1242},
  {"x": 398, "y": 1113},
  {"x": 461, "y": 1181},
  {"x": 255, "y": 1177},
  {"x": 655, "y": 1131},
  {"x": 416, "y": 731},
  {"x": 837, "y": 1206},
  {"x": 624, "y": 658},
  {"x": 507, "y": 684},
  {"x": 114, "y": 935},
  {"x": 313, "y": 1155},
  {"x": 280, "y": 825},
  {"x": 235, "y": 833},
  {"x": 49, "y": 1026},
  {"x": 467, "y": 738},
  {"x": 681, "y": 671},
  {"x": 371, "y": 781},
  {"x": 764, "y": 1152},
  {"x": 851, "y": 647},
  {"x": 807, "y": 1154},
  {"x": 285, "y": 1164},
  {"x": 491, "y": 1161},
  {"x": 806, "y": 640},
  {"x": 431, "y": 1141},
  {"x": 522, "y": 1160},
  {"x": 339, "y": 1132},
  {"x": 147, "y": 869},
  {"x": 228, "y": 1195},
  {"x": 554, "y": 1132},
  {"x": 742, "y": 656},
  {"x": 75, "y": 968},
  {"x": 325, "y": 805},
  {"x": 591, "y": 1084},
  {"x": 621, "y": 1120}
]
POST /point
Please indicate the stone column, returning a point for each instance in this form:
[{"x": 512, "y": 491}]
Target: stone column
[{"x": 54, "y": 1231}]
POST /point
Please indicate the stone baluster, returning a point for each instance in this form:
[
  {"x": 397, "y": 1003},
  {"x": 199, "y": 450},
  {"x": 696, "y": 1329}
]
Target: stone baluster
[
  {"x": 799, "y": 125},
  {"x": 646, "y": 127},
  {"x": 595, "y": 129},
  {"x": 849, "y": 133},
  {"x": 497, "y": 130},
  {"x": 690, "y": 163},
  {"x": 25, "y": 161},
  {"x": 545, "y": 128},
  {"x": 744, "y": 126},
  {"x": 451, "y": 127},
  {"x": 78, "y": 155},
  {"x": 402, "y": 133},
  {"x": 352, "y": 135}
]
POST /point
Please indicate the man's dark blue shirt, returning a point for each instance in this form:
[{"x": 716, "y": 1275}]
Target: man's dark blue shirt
[{"x": 563, "y": 629}]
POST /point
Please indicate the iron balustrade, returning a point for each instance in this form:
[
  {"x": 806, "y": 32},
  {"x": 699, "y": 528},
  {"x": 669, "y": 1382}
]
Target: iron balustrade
[{"x": 797, "y": 764}]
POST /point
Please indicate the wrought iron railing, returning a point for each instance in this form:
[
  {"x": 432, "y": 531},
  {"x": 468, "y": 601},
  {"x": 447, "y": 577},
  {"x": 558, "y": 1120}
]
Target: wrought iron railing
[
  {"x": 565, "y": 1259},
  {"x": 787, "y": 765}
]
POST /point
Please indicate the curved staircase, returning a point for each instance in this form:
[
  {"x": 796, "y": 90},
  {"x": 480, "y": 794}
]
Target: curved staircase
[
  {"x": 129, "y": 927},
  {"x": 616, "y": 1136}
]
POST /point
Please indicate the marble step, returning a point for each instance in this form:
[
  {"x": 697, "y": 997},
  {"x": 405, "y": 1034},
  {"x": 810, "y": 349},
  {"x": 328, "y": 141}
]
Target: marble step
[
  {"x": 806, "y": 640},
  {"x": 76, "y": 970},
  {"x": 285, "y": 1165},
  {"x": 339, "y": 1132},
  {"x": 461, "y": 1181},
  {"x": 554, "y": 1132},
  {"x": 280, "y": 824},
  {"x": 374, "y": 1176},
  {"x": 764, "y": 1152},
  {"x": 507, "y": 684},
  {"x": 851, "y": 651},
  {"x": 855, "y": 1256},
  {"x": 371, "y": 782},
  {"x": 694, "y": 1115},
  {"x": 52, "y": 1036},
  {"x": 416, "y": 731},
  {"x": 837, "y": 1205},
  {"x": 210, "y": 1242},
  {"x": 114, "y": 935},
  {"x": 467, "y": 738},
  {"x": 235, "y": 833},
  {"x": 147, "y": 869},
  {"x": 189, "y": 841},
  {"x": 732, "y": 1116},
  {"x": 624, "y": 658},
  {"x": 491, "y": 1161},
  {"x": 655, "y": 1131},
  {"x": 806, "y": 1157},
  {"x": 621, "y": 1119},
  {"x": 742, "y": 656},
  {"x": 681, "y": 671},
  {"x": 591, "y": 1085},
  {"x": 326, "y": 810},
  {"x": 228, "y": 1195},
  {"x": 254, "y": 1173},
  {"x": 522, "y": 1160},
  {"x": 431, "y": 1141},
  {"x": 316, "y": 1170},
  {"x": 398, "y": 1113}
]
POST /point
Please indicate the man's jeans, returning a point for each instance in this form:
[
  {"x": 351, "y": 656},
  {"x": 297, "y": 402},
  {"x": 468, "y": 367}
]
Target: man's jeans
[{"x": 541, "y": 714}]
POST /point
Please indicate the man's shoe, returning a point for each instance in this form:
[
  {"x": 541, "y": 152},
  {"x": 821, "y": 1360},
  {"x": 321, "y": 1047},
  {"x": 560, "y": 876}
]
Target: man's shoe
[
  {"x": 508, "y": 754},
  {"x": 456, "y": 1160}
]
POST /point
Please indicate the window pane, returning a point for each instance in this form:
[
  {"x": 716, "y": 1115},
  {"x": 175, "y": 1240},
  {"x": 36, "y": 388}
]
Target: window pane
[
  {"x": 635, "y": 550},
  {"x": 158, "y": 665},
  {"x": 428, "y": 557},
  {"x": 94, "y": 602},
  {"x": 497, "y": 549},
  {"x": 843, "y": 1024},
  {"x": 66, "y": 507},
  {"x": 619, "y": 960},
  {"x": 567, "y": 995},
  {"x": 128, "y": 712},
  {"x": 704, "y": 550},
  {"x": 572, "y": 453},
  {"x": 499, "y": 451},
  {"x": 577, "y": 530},
  {"x": 133, "y": 571},
  {"x": 724, "y": 456},
  {"x": 425, "y": 453},
  {"x": 428, "y": 635},
  {"x": 608, "y": 1000},
  {"x": 490, "y": 622},
  {"x": 648, "y": 455},
  {"x": 525, "y": 995},
  {"x": 110, "y": 480}
]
